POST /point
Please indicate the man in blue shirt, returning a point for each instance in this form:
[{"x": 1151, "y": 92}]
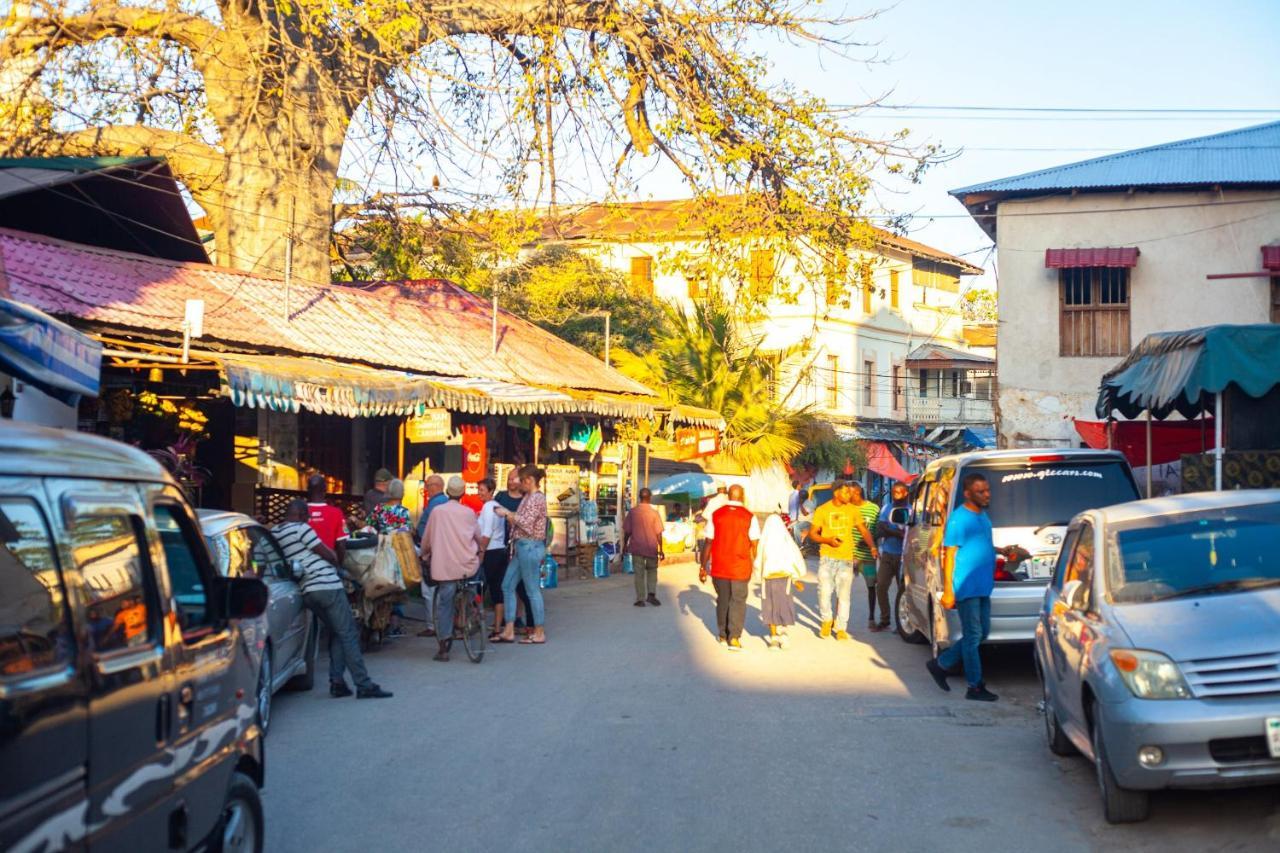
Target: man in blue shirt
[
  {"x": 890, "y": 551},
  {"x": 968, "y": 577},
  {"x": 433, "y": 488}
]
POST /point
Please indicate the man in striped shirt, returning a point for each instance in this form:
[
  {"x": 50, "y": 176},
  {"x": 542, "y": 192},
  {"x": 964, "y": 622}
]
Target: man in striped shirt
[{"x": 314, "y": 567}]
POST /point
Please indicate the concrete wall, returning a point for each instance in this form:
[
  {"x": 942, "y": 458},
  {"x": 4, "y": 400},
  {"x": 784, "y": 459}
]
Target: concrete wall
[{"x": 1039, "y": 391}]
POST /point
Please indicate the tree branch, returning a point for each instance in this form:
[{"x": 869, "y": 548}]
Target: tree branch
[
  {"x": 29, "y": 33},
  {"x": 197, "y": 165}
]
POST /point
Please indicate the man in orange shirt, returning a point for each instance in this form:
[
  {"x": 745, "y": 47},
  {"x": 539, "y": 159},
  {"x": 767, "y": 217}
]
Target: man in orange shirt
[{"x": 729, "y": 557}]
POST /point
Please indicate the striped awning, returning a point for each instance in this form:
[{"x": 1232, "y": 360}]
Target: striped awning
[{"x": 47, "y": 353}]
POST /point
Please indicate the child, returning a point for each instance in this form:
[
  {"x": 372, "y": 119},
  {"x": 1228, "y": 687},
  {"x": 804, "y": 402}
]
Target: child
[{"x": 779, "y": 564}]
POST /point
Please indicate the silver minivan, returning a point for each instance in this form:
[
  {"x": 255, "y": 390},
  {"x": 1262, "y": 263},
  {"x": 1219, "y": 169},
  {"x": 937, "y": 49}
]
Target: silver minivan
[{"x": 1034, "y": 495}]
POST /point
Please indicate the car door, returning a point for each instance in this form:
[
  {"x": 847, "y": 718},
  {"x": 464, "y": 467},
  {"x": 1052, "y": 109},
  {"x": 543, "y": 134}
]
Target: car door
[
  {"x": 937, "y": 511},
  {"x": 285, "y": 614},
  {"x": 44, "y": 696},
  {"x": 211, "y": 669},
  {"x": 130, "y": 700},
  {"x": 1050, "y": 653},
  {"x": 1073, "y": 630},
  {"x": 915, "y": 548}
]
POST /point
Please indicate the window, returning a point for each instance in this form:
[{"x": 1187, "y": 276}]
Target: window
[
  {"x": 697, "y": 289},
  {"x": 833, "y": 382},
  {"x": 924, "y": 383},
  {"x": 33, "y": 620},
  {"x": 899, "y": 393},
  {"x": 642, "y": 275},
  {"x": 267, "y": 558},
  {"x": 893, "y": 289},
  {"x": 180, "y": 545},
  {"x": 120, "y": 609},
  {"x": 866, "y": 288},
  {"x": 868, "y": 379},
  {"x": 1093, "y": 311},
  {"x": 762, "y": 273},
  {"x": 836, "y": 275}
]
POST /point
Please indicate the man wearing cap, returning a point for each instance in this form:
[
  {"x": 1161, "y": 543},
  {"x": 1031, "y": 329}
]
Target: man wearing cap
[
  {"x": 433, "y": 493},
  {"x": 375, "y": 496},
  {"x": 729, "y": 556},
  {"x": 451, "y": 542}
]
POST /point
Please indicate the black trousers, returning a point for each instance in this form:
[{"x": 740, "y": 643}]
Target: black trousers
[{"x": 731, "y": 607}]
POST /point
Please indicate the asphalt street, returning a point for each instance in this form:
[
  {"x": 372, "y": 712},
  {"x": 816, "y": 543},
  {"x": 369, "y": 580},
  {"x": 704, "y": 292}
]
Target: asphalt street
[{"x": 632, "y": 729}]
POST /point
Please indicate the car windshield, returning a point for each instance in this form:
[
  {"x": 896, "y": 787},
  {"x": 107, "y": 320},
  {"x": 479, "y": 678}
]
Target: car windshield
[
  {"x": 1052, "y": 492},
  {"x": 1202, "y": 553}
]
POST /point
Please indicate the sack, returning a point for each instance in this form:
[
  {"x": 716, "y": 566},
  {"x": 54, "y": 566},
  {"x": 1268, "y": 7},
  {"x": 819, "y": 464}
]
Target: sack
[
  {"x": 384, "y": 575},
  {"x": 410, "y": 566},
  {"x": 358, "y": 560}
]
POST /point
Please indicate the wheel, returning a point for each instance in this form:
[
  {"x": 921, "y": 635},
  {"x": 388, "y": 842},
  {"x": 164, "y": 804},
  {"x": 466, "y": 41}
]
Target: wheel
[
  {"x": 1119, "y": 805},
  {"x": 265, "y": 675},
  {"x": 240, "y": 827},
  {"x": 1059, "y": 743},
  {"x": 473, "y": 633},
  {"x": 907, "y": 629},
  {"x": 306, "y": 679}
]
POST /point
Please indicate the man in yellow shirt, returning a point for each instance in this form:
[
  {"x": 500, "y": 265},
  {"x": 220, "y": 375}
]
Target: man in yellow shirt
[{"x": 835, "y": 526}]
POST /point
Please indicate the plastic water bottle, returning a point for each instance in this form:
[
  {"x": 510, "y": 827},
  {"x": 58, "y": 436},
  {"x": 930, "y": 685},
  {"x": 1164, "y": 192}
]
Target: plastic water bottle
[
  {"x": 550, "y": 573},
  {"x": 626, "y": 564},
  {"x": 600, "y": 566}
]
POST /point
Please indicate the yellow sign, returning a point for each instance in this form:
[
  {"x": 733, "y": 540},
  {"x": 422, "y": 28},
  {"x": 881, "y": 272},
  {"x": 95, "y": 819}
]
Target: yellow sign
[{"x": 431, "y": 426}]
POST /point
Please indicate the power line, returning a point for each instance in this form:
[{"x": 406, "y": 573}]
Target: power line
[{"x": 1025, "y": 109}]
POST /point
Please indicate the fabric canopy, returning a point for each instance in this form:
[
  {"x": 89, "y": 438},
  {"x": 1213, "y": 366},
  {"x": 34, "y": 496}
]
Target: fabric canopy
[
  {"x": 48, "y": 353},
  {"x": 1177, "y": 371},
  {"x": 881, "y": 461},
  {"x": 1169, "y": 439},
  {"x": 1104, "y": 257},
  {"x": 983, "y": 438},
  {"x": 696, "y": 416}
]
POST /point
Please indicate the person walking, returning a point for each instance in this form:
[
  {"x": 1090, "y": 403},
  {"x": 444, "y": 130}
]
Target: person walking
[
  {"x": 731, "y": 536},
  {"x": 866, "y": 552},
  {"x": 451, "y": 546},
  {"x": 433, "y": 491},
  {"x": 968, "y": 577},
  {"x": 314, "y": 566},
  {"x": 890, "y": 565},
  {"x": 492, "y": 531},
  {"x": 529, "y": 531},
  {"x": 779, "y": 565},
  {"x": 642, "y": 539},
  {"x": 836, "y": 524},
  {"x": 510, "y": 500}
]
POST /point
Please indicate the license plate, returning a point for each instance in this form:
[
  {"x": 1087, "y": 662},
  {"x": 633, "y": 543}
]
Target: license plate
[
  {"x": 1273, "y": 736},
  {"x": 1040, "y": 569}
]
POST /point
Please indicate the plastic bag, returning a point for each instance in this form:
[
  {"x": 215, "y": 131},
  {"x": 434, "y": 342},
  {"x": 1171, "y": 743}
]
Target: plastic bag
[
  {"x": 410, "y": 567},
  {"x": 384, "y": 575}
]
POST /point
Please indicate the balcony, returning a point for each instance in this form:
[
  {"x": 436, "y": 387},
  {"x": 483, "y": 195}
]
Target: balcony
[{"x": 949, "y": 410}]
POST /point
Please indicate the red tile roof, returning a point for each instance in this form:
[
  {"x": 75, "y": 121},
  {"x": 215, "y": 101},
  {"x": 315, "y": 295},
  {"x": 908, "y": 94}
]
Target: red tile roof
[
  {"x": 427, "y": 327},
  {"x": 1101, "y": 257}
]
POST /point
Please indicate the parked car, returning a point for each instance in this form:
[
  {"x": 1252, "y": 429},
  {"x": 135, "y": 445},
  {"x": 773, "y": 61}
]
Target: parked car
[
  {"x": 1158, "y": 645},
  {"x": 125, "y": 688},
  {"x": 284, "y": 640},
  {"x": 1034, "y": 495}
]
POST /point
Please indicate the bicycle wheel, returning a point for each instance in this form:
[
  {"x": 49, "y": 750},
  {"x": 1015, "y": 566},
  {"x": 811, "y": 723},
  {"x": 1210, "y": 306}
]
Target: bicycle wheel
[{"x": 473, "y": 633}]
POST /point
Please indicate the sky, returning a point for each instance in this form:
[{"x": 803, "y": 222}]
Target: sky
[{"x": 1122, "y": 54}]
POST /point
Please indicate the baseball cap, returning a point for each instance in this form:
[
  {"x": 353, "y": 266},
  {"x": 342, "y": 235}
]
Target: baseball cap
[
  {"x": 456, "y": 487},
  {"x": 382, "y": 475}
]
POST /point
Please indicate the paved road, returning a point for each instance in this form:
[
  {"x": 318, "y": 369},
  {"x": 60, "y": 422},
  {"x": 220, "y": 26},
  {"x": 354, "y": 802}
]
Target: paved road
[{"x": 633, "y": 730}]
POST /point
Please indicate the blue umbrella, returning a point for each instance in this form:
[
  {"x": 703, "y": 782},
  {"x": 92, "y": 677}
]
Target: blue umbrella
[{"x": 692, "y": 483}]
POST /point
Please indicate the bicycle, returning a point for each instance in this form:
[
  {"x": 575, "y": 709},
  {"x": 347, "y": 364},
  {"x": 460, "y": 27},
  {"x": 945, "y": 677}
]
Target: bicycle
[{"x": 468, "y": 615}]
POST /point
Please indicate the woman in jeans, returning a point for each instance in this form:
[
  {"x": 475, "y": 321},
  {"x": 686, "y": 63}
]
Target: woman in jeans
[{"x": 529, "y": 533}]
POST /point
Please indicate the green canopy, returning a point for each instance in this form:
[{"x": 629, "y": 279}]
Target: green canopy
[{"x": 1180, "y": 371}]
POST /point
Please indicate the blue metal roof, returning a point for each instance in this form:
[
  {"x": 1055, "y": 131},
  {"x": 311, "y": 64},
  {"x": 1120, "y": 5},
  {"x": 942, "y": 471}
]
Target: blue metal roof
[{"x": 1250, "y": 155}]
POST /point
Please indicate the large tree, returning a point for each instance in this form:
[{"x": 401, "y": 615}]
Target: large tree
[{"x": 254, "y": 104}]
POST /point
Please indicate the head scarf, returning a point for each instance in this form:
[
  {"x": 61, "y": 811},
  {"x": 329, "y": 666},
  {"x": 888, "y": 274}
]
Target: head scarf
[{"x": 777, "y": 551}]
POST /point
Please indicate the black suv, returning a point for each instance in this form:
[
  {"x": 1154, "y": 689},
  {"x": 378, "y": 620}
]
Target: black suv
[{"x": 127, "y": 719}]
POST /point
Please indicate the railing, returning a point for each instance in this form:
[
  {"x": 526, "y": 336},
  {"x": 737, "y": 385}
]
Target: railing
[
  {"x": 269, "y": 505},
  {"x": 940, "y": 410}
]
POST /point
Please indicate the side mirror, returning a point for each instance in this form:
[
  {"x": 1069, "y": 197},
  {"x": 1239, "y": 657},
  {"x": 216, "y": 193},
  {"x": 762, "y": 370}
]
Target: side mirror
[
  {"x": 1075, "y": 595},
  {"x": 241, "y": 598},
  {"x": 901, "y": 515}
]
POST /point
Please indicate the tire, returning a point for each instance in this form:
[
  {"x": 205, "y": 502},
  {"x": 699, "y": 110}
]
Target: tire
[
  {"x": 306, "y": 679},
  {"x": 1059, "y": 743},
  {"x": 906, "y": 629},
  {"x": 240, "y": 827},
  {"x": 473, "y": 633},
  {"x": 262, "y": 697},
  {"x": 1119, "y": 805}
]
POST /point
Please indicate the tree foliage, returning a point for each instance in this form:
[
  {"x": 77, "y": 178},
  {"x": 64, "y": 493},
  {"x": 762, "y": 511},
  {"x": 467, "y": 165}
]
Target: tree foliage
[{"x": 979, "y": 305}]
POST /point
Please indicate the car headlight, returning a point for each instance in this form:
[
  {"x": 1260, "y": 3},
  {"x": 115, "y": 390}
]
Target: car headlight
[{"x": 1150, "y": 675}]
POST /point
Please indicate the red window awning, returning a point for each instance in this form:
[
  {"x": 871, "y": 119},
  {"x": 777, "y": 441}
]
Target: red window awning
[
  {"x": 1271, "y": 257},
  {"x": 1103, "y": 257},
  {"x": 881, "y": 460}
]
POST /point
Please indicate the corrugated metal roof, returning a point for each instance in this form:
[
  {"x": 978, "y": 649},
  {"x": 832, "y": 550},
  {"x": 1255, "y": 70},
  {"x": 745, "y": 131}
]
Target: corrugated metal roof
[
  {"x": 1111, "y": 256},
  {"x": 1250, "y": 155}
]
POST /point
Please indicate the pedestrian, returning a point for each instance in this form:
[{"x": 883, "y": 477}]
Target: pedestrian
[
  {"x": 492, "y": 531},
  {"x": 866, "y": 552},
  {"x": 890, "y": 565},
  {"x": 451, "y": 545},
  {"x": 314, "y": 566},
  {"x": 510, "y": 500},
  {"x": 391, "y": 515},
  {"x": 433, "y": 491},
  {"x": 731, "y": 534},
  {"x": 381, "y": 480},
  {"x": 326, "y": 519},
  {"x": 529, "y": 531},
  {"x": 642, "y": 539},
  {"x": 837, "y": 524},
  {"x": 795, "y": 504},
  {"x": 779, "y": 565},
  {"x": 709, "y": 506},
  {"x": 968, "y": 577}
]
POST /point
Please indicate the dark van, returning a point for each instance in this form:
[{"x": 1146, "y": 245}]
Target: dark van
[{"x": 127, "y": 716}]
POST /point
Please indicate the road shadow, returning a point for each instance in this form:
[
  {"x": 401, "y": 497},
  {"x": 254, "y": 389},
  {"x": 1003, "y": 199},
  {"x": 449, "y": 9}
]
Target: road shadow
[{"x": 700, "y": 602}]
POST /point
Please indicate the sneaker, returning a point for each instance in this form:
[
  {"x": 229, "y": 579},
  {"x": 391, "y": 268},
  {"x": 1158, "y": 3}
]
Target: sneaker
[
  {"x": 735, "y": 645},
  {"x": 653, "y": 599},
  {"x": 373, "y": 691},
  {"x": 939, "y": 674},
  {"x": 980, "y": 694},
  {"x": 722, "y": 639},
  {"x": 639, "y": 603},
  {"x": 825, "y": 630},
  {"x": 843, "y": 635},
  {"x": 339, "y": 689}
]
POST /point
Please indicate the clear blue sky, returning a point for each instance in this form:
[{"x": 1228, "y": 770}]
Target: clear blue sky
[{"x": 1121, "y": 54}]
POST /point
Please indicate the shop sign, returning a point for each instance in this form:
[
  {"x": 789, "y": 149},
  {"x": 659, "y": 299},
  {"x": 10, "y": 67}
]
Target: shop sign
[
  {"x": 430, "y": 426},
  {"x": 475, "y": 453},
  {"x": 562, "y": 487},
  {"x": 693, "y": 442}
]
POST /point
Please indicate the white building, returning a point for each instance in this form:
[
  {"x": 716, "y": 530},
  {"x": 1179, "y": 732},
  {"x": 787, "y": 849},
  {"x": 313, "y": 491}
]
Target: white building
[
  {"x": 853, "y": 345},
  {"x": 1092, "y": 256}
]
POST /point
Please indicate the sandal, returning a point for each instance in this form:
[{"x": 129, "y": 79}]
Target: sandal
[
  {"x": 530, "y": 641},
  {"x": 502, "y": 639}
]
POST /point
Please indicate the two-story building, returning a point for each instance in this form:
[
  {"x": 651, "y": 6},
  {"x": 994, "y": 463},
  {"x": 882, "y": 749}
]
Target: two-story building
[
  {"x": 1094, "y": 255},
  {"x": 881, "y": 350}
]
